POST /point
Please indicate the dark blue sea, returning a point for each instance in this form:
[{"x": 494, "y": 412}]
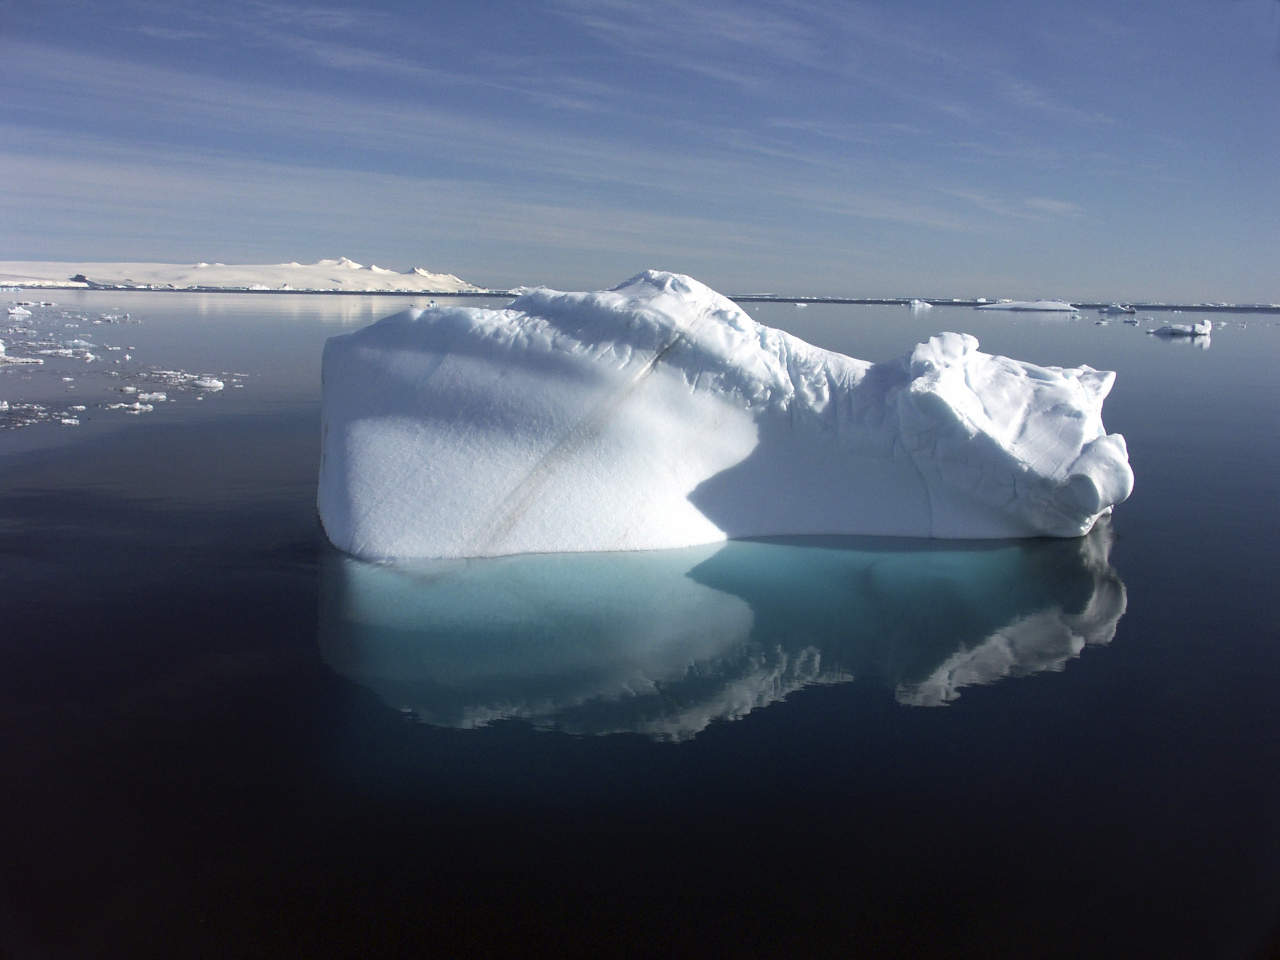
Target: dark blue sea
[{"x": 220, "y": 737}]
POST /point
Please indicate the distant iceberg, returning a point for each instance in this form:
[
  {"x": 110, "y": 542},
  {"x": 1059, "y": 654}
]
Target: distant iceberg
[
  {"x": 658, "y": 414},
  {"x": 1201, "y": 328},
  {"x": 1047, "y": 306}
]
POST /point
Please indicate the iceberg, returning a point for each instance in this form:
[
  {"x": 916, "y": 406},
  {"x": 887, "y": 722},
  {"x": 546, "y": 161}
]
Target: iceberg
[
  {"x": 1200, "y": 328},
  {"x": 1048, "y": 306},
  {"x": 658, "y": 414}
]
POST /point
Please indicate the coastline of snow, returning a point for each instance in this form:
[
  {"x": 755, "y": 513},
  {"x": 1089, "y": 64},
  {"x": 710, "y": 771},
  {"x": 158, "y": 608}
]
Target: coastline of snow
[
  {"x": 658, "y": 414},
  {"x": 323, "y": 276}
]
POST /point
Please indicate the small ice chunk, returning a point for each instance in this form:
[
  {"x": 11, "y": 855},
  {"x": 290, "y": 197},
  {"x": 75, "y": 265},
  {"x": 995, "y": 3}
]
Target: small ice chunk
[
  {"x": 209, "y": 383},
  {"x": 1201, "y": 328},
  {"x": 156, "y": 397},
  {"x": 70, "y": 421}
]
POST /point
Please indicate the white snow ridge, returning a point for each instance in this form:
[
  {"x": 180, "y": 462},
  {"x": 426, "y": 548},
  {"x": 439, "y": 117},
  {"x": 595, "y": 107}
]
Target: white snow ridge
[{"x": 658, "y": 414}]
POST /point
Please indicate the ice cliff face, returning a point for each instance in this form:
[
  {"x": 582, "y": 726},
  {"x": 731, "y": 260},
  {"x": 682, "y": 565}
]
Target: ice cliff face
[{"x": 658, "y": 414}]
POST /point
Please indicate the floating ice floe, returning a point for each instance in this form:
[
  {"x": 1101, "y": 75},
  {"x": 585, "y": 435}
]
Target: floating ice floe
[
  {"x": 918, "y": 305},
  {"x": 1201, "y": 328},
  {"x": 6, "y": 358},
  {"x": 658, "y": 414},
  {"x": 82, "y": 368}
]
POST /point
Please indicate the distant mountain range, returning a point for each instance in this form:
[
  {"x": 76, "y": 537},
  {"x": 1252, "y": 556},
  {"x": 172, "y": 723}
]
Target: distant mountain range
[
  {"x": 346, "y": 276},
  {"x": 340, "y": 275}
]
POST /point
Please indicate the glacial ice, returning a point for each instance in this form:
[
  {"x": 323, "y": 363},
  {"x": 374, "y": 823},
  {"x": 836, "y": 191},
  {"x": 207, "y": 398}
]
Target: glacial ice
[{"x": 658, "y": 414}]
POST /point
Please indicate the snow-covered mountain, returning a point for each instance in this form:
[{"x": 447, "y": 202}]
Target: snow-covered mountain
[{"x": 324, "y": 275}]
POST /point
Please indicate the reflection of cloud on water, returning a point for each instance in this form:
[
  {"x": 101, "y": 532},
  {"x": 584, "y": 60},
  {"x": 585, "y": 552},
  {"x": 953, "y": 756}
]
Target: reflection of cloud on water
[{"x": 664, "y": 643}]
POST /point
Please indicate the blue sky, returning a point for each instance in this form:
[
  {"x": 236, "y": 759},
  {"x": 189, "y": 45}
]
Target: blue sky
[{"x": 1080, "y": 149}]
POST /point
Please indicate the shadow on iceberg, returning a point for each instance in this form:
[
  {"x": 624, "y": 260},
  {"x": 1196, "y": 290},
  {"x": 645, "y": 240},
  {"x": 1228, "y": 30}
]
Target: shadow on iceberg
[{"x": 663, "y": 643}]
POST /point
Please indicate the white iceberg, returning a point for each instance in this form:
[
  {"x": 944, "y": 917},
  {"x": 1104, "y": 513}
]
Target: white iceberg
[
  {"x": 658, "y": 414},
  {"x": 1047, "y": 306},
  {"x": 1201, "y": 328}
]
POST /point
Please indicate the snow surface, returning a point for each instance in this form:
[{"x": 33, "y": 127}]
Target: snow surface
[
  {"x": 324, "y": 275},
  {"x": 658, "y": 414},
  {"x": 1048, "y": 306}
]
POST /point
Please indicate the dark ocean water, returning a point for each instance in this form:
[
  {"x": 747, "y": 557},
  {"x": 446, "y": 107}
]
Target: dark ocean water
[{"x": 222, "y": 738}]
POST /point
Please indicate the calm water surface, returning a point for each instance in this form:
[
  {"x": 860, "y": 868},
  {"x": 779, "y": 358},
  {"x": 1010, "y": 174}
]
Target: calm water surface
[{"x": 221, "y": 737}]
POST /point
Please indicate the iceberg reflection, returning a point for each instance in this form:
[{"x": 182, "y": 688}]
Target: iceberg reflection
[{"x": 662, "y": 643}]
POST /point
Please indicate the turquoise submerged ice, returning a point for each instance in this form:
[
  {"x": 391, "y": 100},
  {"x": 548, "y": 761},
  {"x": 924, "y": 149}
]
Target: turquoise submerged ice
[{"x": 658, "y": 414}]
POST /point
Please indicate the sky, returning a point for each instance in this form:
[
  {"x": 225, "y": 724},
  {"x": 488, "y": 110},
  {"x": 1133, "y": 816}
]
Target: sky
[{"x": 1078, "y": 149}]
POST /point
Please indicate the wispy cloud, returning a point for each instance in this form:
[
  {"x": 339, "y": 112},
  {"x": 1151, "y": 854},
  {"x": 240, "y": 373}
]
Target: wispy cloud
[
  {"x": 172, "y": 34},
  {"x": 1023, "y": 94},
  {"x": 318, "y": 18},
  {"x": 1057, "y": 208}
]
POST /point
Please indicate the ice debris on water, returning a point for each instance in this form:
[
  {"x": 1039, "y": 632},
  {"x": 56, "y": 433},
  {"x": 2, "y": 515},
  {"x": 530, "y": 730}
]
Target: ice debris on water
[
  {"x": 40, "y": 335},
  {"x": 134, "y": 407}
]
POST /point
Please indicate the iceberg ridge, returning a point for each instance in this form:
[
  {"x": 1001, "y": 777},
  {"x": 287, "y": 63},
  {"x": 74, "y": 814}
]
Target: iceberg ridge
[{"x": 658, "y": 414}]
